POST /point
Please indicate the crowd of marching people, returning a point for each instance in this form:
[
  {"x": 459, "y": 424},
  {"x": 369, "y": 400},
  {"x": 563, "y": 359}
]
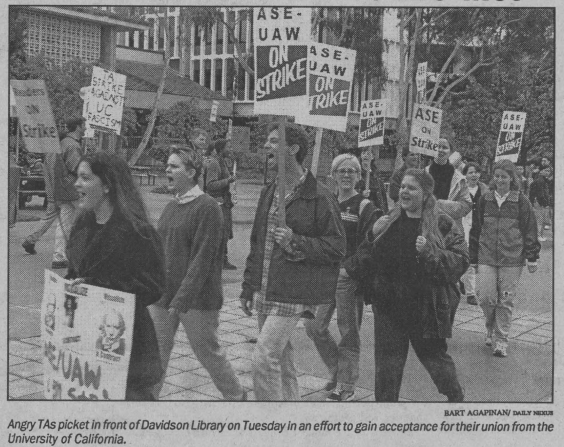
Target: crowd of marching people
[{"x": 443, "y": 235}]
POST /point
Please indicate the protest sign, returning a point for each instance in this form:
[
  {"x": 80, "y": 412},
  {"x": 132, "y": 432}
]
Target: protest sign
[
  {"x": 425, "y": 130},
  {"x": 213, "y": 112},
  {"x": 330, "y": 74},
  {"x": 421, "y": 81},
  {"x": 104, "y": 101},
  {"x": 87, "y": 333},
  {"x": 280, "y": 36},
  {"x": 510, "y": 136},
  {"x": 372, "y": 122},
  {"x": 34, "y": 112}
]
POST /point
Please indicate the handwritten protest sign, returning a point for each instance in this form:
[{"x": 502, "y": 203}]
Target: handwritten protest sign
[
  {"x": 87, "y": 333},
  {"x": 372, "y": 122},
  {"x": 35, "y": 116},
  {"x": 104, "y": 101},
  {"x": 280, "y": 37},
  {"x": 510, "y": 136},
  {"x": 421, "y": 81},
  {"x": 330, "y": 74},
  {"x": 213, "y": 111},
  {"x": 425, "y": 130}
]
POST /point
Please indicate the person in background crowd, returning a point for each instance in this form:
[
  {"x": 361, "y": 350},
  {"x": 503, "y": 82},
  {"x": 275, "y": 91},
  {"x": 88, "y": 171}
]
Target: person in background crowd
[
  {"x": 13, "y": 185},
  {"x": 410, "y": 160},
  {"x": 450, "y": 190},
  {"x": 199, "y": 139},
  {"x": 524, "y": 183},
  {"x": 550, "y": 182},
  {"x": 191, "y": 228},
  {"x": 415, "y": 256},
  {"x": 507, "y": 237},
  {"x": 540, "y": 197},
  {"x": 291, "y": 270},
  {"x": 545, "y": 163},
  {"x": 60, "y": 176},
  {"x": 113, "y": 245},
  {"x": 377, "y": 189},
  {"x": 218, "y": 180},
  {"x": 477, "y": 189},
  {"x": 358, "y": 214}
]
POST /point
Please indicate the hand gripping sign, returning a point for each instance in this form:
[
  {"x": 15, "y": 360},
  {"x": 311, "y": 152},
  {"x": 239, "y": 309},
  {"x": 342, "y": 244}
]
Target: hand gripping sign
[
  {"x": 425, "y": 130},
  {"x": 330, "y": 74},
  {"x": 104, "y": 102},
  {"x": 35, "y": 116},
  {"x": 280, "y": 36},
  {"x": 510, "y": 136},
  {"x": 372, "y": 122}
]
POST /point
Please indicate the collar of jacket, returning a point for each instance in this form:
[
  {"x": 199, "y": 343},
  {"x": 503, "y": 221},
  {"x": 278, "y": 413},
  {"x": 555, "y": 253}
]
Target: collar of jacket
[
  {"x": 190, "y": 195},
  {"x": 512, "y": 197}
]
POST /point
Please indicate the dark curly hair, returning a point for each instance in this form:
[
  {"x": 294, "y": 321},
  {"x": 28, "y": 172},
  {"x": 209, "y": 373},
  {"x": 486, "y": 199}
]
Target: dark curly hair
[{"x": 295, "y": 134}]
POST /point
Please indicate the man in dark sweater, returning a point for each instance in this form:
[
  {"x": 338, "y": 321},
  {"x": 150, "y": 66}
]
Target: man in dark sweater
[{"x": 191, "y": 229}]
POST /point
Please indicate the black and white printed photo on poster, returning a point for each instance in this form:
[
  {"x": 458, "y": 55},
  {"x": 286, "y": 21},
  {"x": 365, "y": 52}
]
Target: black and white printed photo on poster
[
  {"x": 281, "y": 35},
  {"x": 86, "y": 334}
]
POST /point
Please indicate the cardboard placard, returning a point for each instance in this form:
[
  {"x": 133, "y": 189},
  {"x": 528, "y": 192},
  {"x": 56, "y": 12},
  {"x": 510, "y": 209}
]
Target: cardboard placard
[
  {"x": 330, "y": 74},
  {"x": 40, "y": 134},
  {"x": 510, "y": 136},
  {"x": 87, "y": 333},
  {"x": 425, "y": 130},
  {"x": 372, "y": 122},
  {"x": 421, "y": 82},
  {"x": 104, "y": 101},
  {"x": 280, "y": 36}
]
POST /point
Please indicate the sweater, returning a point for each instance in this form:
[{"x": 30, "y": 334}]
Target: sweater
[{"x": 191, "y": 234}]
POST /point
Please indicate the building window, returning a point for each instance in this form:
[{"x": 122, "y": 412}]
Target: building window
[
  {"x": 207, "y": 73},
  {"x": 196, "y": 77},
  {"x": 62, "y": 39}
]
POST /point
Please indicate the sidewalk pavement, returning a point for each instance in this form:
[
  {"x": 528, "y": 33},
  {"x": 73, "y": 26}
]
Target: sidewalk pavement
[{"x": 526, "y": 375}]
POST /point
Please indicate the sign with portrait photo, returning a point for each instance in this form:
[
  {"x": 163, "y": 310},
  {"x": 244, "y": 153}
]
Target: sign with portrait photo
[{"x": 87, "y": 333}]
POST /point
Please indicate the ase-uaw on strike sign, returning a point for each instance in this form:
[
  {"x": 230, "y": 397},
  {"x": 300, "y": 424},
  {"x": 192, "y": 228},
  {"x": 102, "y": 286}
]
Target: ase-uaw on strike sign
[
  {"x": 372, "y": 122},
  {"x": 281, "y": 35},
  {"x": 510, "y": 136},
  {"x": 330, "y": 74}
]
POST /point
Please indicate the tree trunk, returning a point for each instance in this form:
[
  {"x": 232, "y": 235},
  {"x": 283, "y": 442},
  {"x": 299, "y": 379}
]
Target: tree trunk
[{"x": 153, "y": 117}]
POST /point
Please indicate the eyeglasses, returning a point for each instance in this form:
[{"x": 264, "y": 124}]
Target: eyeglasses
[{"x": 347, "y": 171}]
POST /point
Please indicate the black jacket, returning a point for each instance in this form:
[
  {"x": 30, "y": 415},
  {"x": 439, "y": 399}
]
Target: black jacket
[
  {"x": 120, "y": 258},
  {"x": 319, "y": 241}
]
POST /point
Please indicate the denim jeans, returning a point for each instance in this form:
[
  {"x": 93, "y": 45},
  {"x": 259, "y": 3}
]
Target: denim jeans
[
  {"x": 67, "y": 212},
  {"x": 496, "y": 288},
  {"x": 51, "y": 214},
  {"x": 391, "y": 346},
  {"x": 201, "y": 329},
  {"x": 341, "y": 359},
  {"x": 274, "y": 372}
]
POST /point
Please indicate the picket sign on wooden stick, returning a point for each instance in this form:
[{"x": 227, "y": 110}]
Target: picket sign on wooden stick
[
  {"x": 282, "y": 172},
  {"x": 316, "y": 151}
]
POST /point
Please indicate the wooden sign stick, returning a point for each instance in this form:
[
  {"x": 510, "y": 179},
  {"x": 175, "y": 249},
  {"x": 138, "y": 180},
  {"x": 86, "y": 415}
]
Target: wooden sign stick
[{"x": 282, "y": 172}]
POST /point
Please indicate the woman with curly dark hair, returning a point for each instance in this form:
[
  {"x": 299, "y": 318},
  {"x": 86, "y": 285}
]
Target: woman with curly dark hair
[
  {"x": 113, "y": 245},
  {"x": 413, "y": 258}
]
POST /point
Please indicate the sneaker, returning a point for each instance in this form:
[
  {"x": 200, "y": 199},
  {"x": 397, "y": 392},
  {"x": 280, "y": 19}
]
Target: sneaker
[
  {"x": 488, "y": 340},
  {"x": 471, "y": 299},
  {"x": 341, "y": 396},
  {"x": 59, "y": 265},
  {"x": 500, "y": 349},
  {"x": 29, "y": 247},
  {"x": 330, "y": 386},
  {"x": 542, "y": 239},
  {"x": 228, "y": 266}
]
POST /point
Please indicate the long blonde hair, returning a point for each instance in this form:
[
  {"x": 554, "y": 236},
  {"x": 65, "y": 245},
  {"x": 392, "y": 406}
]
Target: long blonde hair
[{"x": 429, "y": 227}]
